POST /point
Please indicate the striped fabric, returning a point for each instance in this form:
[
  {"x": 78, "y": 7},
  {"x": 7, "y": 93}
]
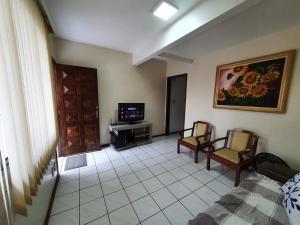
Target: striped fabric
[{"x": 257, "y": 200}]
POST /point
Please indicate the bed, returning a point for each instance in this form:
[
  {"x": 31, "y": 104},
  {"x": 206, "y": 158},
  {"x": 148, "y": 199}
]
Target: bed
[{"x": 257, "y": 200}]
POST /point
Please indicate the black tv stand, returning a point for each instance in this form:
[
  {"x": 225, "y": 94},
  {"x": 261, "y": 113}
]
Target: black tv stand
[
  {"x": 134, "y": 122},
  {"x": 118, "y": 123},
  {"x": 126, "y": 123},
  {"x": 124, "y": 136}
]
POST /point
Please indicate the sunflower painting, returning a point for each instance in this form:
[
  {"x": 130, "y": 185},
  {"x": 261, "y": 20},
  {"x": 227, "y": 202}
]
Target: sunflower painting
[{"x": 259, "y": 84}]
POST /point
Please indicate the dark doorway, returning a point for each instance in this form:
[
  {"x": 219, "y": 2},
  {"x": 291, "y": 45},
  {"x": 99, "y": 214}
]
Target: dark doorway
[
  {"x": 78, "y": 110},
  {"x": 176, "y": 99}
]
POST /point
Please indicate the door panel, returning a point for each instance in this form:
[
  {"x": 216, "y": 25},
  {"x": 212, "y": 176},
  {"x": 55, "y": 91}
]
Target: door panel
[
  {"x": 73, "y": 131},
  {"x": 89, "y": 116},
  {"x": 70, "y": 102},
  {"x": 77, "y": 100},
  {"x": 71, "y": 116},
  {"x": 88, "y": 103},
  {"x": 86, "y": 90},
  {"x": 69, "y": 89},
  {"x": 72, "y": 143},
  {"x": 90, "y": 130}
]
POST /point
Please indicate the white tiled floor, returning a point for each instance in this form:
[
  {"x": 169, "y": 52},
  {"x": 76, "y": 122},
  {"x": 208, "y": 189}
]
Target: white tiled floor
[{"x": 146, "y": 185}]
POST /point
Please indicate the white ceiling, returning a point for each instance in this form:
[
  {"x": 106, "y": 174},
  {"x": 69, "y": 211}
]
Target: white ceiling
[
  {"x": 117, "y": 24},
  {"x": 268, "y": 17},
  {"x": 199, "y": 27}
]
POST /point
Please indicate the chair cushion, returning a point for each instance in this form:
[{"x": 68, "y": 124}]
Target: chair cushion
[
  {"x": 201, "y": 129},
  {"x": 230, "y": 155},
  {"x": 239, "y": 141},
  {"x": 192, "y": 140}
]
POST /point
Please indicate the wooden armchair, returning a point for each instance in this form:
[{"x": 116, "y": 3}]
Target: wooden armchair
[
  {"x": 237, "y": 153},
  {"x": 199, "y": 139}
]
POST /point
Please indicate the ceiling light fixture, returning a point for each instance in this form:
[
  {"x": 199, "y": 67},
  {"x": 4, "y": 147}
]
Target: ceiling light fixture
[{"x": 165, "y": 10}]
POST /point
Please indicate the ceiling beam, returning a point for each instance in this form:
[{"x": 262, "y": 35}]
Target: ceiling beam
[
  {"x": 45, "y": 14},
  {"x": 204, "y": 15},
  {"x": 176, "y": 57}
]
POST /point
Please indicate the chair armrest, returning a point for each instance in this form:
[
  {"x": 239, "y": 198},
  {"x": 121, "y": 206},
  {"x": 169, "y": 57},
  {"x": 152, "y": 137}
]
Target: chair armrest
[
  {"x": 218, "y": 139},
  {"x": 246, "y": 151},
  {"x": 181, "y": 133},
  {"x": 211, "y": 147},
  {"x": 198, "y": 137},
  {"x": 201, "y": 136}
]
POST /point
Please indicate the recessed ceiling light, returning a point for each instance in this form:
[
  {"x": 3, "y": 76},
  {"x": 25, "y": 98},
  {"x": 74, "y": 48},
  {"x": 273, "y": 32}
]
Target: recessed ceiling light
[{"x": 165, "y": 10}]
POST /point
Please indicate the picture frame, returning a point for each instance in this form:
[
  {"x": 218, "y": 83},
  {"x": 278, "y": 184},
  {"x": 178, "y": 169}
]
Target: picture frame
[{"x": 258, "y": 84}]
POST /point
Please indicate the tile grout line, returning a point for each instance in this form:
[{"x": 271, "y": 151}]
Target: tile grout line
[
  {"x": 130, "y": 203},
  {"x": 102, "y": 193},
  {"x": 166, "y": 186},
  {"x": 178, "y": 200},
  {"x": 140, "y": 181},
  {"x": 140, "y": 160},
  {"x": 160, "y": 210},
  {"x": 157, "y": 163},
  {"x": 167, "y": 171},
  {"x": 125, "y": 194},
  {"x": 94, "y": 185},
  {"x": 191, "y": 174}
]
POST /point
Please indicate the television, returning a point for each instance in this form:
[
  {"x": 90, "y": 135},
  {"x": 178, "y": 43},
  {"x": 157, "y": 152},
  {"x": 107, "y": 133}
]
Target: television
[{"x": 131, "y": 112}]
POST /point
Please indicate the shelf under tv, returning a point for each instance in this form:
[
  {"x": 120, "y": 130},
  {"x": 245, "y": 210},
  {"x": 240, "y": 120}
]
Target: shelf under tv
[
  {"x": 141, "y": 135},
  {"x": 126, "y": 135}
]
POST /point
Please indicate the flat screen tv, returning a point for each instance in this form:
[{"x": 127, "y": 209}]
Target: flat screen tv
[{"x": 131, "y": 112}]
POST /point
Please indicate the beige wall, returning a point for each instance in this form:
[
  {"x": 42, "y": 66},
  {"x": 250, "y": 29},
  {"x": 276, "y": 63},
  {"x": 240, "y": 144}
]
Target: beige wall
[
  {"x": 119, "y": 81},
  {"x": 278, "y": 133}
]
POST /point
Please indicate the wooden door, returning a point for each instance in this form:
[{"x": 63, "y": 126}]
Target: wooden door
[{"x": 78, "y": 111}]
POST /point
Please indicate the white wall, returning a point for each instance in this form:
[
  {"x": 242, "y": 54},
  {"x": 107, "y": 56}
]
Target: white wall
[
  {"x": 278, "y": 133},
  {"x": 119, "y": 81}
]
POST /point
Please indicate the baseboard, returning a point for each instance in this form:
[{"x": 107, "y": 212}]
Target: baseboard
[
  {"x": 104, "y": 145},
  {"x": 52, "y": 200},
  {"x": 159, "y": 135},
  {"x": 174, "y": 132}
]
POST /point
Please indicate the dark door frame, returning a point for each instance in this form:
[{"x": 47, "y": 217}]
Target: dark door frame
[
  {"x": 54, "y": 66},
  {"x": 169, "y": 80}
]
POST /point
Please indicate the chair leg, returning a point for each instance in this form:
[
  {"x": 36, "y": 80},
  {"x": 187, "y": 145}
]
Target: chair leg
[
  {"x": 208, "y": 163},
  {"x": 253, "y": 167},
  {"x": 178, "y": 148},
  {"x": 196, "y": 156},
  {"x": 237, "y": 178}
]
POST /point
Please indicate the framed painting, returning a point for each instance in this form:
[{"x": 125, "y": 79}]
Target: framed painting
[{"x": 259, "y": 84}]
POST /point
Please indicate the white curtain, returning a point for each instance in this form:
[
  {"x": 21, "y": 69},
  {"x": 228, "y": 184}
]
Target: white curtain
[{"x": 27, "y": 96}]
